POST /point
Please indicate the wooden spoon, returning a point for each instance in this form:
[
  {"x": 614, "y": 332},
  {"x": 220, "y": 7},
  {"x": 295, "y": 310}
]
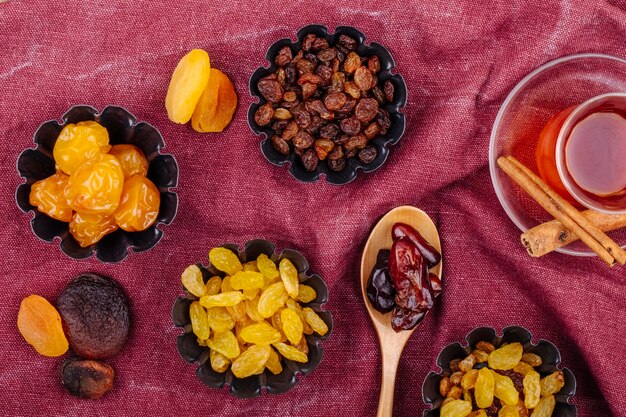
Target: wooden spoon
[{"x": 392, "y": 343}]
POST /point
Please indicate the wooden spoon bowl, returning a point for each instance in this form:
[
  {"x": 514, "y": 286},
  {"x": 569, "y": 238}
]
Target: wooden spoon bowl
[{"x": 392, "y": 343}]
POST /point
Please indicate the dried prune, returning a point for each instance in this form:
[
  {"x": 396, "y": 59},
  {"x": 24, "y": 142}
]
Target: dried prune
[
  {"x": 87, "y": 378},
  {"x": 96, "y": 316},
  {"x": 40, "y": 325},
  {"x": 310, "y": 160},
  {"x": 368, "y": 154},
  {"x": 380, "y": 290}
]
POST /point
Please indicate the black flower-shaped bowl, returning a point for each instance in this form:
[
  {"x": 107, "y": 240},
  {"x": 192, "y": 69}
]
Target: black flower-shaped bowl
[
  {"x": 382, "y": 143},
  {"x": 252, "y": 386},
  {"x": 546, "y": 350},
  {"x": 36, "y": 164}
]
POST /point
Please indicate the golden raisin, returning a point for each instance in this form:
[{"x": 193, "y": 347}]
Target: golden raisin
[
  {"x": 225, "y": 260},
  {"x": 469, "y": 379},
  {"x": 78, "y": 143},
  {"x": 505, "y": 390},
  {"x": 456, "y": 408},
  {"x": 545, "y": 407},
  {"x": 291, "y": 353},
  {"x": 188, "y": 82},
  {"x": 532, "y": 389},
  {"x": 247, "y": 280},
  {"x": 225, "y": 343},
  {"x": 219, "y": 320},
  {"x": 484, "y": 388},
  {"x": 273, "y": 363},
  {"x": 213, "y": 285},
  {"x": 317, "y": 324},
  {"x": 139, "y": 205},
  {"x": 40, "y": 325},
  {"x": 272, "y": 298},
  {"x": 199, "y": 321},
  {"x": 192, "y": 281},
  {"x": 219, "y": 362},
  {"x": 506, "y": 357},
  {"x": 289, "y": 276},
  {"x": 552, "y": 384},
  {"x": 133, "y": 160},
  {"x": 225, "y": 299},
  {"x": 292, "y": 326},
  {"x": 48, "y": 195},
  {"x": 252, "y": 361},
  {"x": 306, "y": 294},
  {"x": 260, "y": 334},
  {"x": 267, "y": 267},
  {"x": 88, "y": 229}
]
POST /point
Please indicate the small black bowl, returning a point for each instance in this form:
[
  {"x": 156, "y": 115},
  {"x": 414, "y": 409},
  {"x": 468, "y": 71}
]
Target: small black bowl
[
  {"x": 252, "y": 386},
  {"x": 36, "y": 164},
  {"x": 382, "y": 143},
  {"x": 547, "y": 351}
]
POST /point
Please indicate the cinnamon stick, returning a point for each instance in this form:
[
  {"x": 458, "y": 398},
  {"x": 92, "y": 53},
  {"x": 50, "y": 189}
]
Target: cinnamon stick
[
  {"x": 552, "y": 206},
  {"x": 549, "y": 236},
  {"x": 609, "y": 244}
]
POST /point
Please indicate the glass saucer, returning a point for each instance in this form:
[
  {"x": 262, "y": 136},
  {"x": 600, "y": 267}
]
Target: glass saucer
[{"x": 554, "y": 86}]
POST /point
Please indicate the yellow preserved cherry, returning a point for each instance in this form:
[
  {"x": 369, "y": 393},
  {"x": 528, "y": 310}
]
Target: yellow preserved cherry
[
  {"x": 96, "y": 186},
  {"x": 188, "y": 81},
  {"x": 88, "y": 229},
  {"x": 133, "y": 160},
  {"x": 40, "y": 325},
  {"x": 48, "y": 195},
  {"x": 139, "y": 205},
  {"x": 78, "y": 143}
]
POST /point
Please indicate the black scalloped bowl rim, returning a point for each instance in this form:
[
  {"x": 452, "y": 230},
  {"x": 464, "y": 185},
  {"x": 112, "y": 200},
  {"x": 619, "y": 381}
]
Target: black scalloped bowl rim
[
  {"x": 382, "y": 143},
  {"x": 253, "y": 386},
  {"x": 546, "y": 350},
  {"x": 38, "y": 163}
]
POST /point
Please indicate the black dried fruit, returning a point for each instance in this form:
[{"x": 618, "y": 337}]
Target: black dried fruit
[
  {"x": 380, "y": 290},
  {"x": 96, "y": 316},
  {"x": 87, "y": 378}
]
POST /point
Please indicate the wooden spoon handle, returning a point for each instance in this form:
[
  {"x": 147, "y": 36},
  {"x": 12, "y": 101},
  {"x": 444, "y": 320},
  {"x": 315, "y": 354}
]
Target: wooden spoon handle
[{"x": 391, "y": 358}]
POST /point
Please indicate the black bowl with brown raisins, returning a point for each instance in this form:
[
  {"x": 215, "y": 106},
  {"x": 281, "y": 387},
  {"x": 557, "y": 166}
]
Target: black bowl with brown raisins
[
  {"x": 457, "y": 360},
  {"x": 328, "y": 104}
]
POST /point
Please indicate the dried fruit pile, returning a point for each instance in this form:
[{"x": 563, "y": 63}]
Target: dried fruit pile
[
  {"x": 252, "y": 318},
  {"x": 97, "y": 188},
  {"x": 499, "y": 382},
  {"x": 325, "y": 103},
  {"x": 94, "y": 316},
  {"x": 401, "y": 281},
  {"x": 199, "y": 93}
]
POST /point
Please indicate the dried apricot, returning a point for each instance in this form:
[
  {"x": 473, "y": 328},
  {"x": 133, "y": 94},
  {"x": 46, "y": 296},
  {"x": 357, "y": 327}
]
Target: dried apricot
[
  {"x": 252, "y": 361},
  {"x": 292, "y": 326},
  {"x": 199, "y": 321},
  {"x": 219, "y": 362},
  {"x": 133, "y": 160},
  {"x": 217, "y": 104},
  {"x": 96, "y": 186},
  {"x": 78, "y": 143},
  {"x": 139, "y": 205},
  {"x": 225, "y": 299},
  {"x": 88, "y": 229},
  {"x": 260, "y": 334},
  {"x": 225, "y": 343},
  {"x": 532, "y": 389},
  {"x": 456, "y": 408},
  {"x": 40, "y": 325},
  {"x": 484, "y": 388},
  {"x": 272, "y": 298},
  {"x": 291, "y": 353},
  {"x": 317, "y": 324},
  {"x": 289, "y": 276},
  {"x": 48, "y": 195},
  {"x": 225, "y": 260},
  {"x": 193, "y": 282},
  {"x": 188, "y": 82},
  {"x": 506, "y": 357}
]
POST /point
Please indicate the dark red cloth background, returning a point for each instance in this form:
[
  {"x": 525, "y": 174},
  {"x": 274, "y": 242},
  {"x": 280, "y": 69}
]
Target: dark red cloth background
[{"x": 459, "y": 59}]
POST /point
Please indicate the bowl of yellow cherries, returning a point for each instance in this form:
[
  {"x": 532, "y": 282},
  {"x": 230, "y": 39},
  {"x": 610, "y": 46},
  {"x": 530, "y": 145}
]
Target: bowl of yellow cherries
[{"x": 98, "y": 183}]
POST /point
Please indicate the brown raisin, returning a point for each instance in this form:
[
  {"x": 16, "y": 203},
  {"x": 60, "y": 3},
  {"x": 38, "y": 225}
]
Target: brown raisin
[
  {"x": 271, "y": 90},
  {"x": 368, "y": 154},
  {"x": 312, "y": 57},
  {"x": 329, "y": 131},
  {"x": 349, "y": 106},
  {"x": 363, "y": 78},
  {"x": 351, "y": 88},
  {"x": 350, "y": 126},
  {"x": 366, "y": 109},
  {"x": 290, "y": 74},
  {"x": 325, "y": 73},
  {"x": 263, "y": 115},
  {"x": 284, "y": 56},
  {"x": 352, "y": 62},
  {"x": 315, "y": 125},
  {"x": 310, "y": 78},
  {"x": 372, "y": 130},
  {"x": 355, "y": 142},
  {"x": 378, "y": 94},
  {"x": 302, "y": 118},
  {"x": 389, "y": 90},
  {"x": 309, "y": 160},
  {"x": 290, "y": 96},
  {"x": 336, "y": 153},
  {"x": 373, "y": 63},
  {"x": 279, "y": 125},
  {"x": 304, "y": 66},
  {"x": 319, "y": 44},
  {"x": 347, "y": 42},
  {"x": 336, "y": 165},
  {"x": 282, "y": 114},
  {"x": 335, "y": 101},
  {"x": 327, "y": 55},
  {"x": 280, "y": 144},
  {"x": 323, "y": 147},
  {"x": 307, "y": 42},
  {"x": 308, "y": 89},
  {"x": 303, "y": 140},
  {"x": 337, "y": 81},
  {"x": 290, "y": 131}
]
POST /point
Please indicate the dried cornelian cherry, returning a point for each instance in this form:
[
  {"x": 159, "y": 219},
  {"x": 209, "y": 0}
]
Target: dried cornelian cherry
[
  {"x": 88, "y": 229},
  {"x": 188, "y": 82},
  {"x": 139, "y": 205},
  {"x": 49, "y": 197},
  {"x": 133, "y": 160},
  {"x": 40, "y": 325},
  {"x": 217, "y": 104},
  {"x": 96, "y": 186},
  {"x": 79, "y": 142}
]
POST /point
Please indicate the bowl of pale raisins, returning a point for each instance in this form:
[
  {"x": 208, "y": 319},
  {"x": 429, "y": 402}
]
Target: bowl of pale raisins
[
  {"x": 500, "y": 376},
  {"x": 328, "y": 104},
  {"x": 252, "y": 319}
]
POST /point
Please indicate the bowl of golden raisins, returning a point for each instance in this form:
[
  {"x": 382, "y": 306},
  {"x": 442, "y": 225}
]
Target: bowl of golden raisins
[
  {"x": 98, "y": 183},
  {"x": 500, "y": 376},
  {"x": 252, "y": 319}
]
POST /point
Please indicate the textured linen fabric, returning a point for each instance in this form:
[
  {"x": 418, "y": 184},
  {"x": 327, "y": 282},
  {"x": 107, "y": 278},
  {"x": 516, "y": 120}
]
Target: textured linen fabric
[{"x": 459, "y": 58}]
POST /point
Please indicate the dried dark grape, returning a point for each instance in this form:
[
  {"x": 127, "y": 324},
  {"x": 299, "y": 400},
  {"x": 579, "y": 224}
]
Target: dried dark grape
[
  {"x": 304, "y": 66},
  {"x": 310, "y": 78},
  {"x": 382, "y": 118},
  {"x": 271, "y": 90},
  {"x": 309, "y": 160},
  {"x": 389, "y": 90},
  {"x": 290, "y": 74},
  {"x": 302, "y": 118},
  {"x": 303, "y": 140},
  {"x": 350, "y": 126},
  {"x": 380, "y": 290},
  {"x": 368, "y": 154},
  {"x": 430, "y": 254},
  {"x": 378, "y": 94},
  {"x": 263, "y": 115},
  {"x": 316, "y": 123},
  {"x": 336, "y": 153},
  {"x": 312, "y": 57},
  {"x": 308, "y": 89},
  {"x": 352, "y": 62},
  {"x": 279, "y": 125},
  {"x": 349, "y": 106},
  {"x": 409, "y": 272},
  {"x": 280, "y": 144},
  {"x": 325, "y": 73},
  {"x": 336, "y": 165},
  {"x": 355, "y": 142},
  {"x": 347, "y": 42}
]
